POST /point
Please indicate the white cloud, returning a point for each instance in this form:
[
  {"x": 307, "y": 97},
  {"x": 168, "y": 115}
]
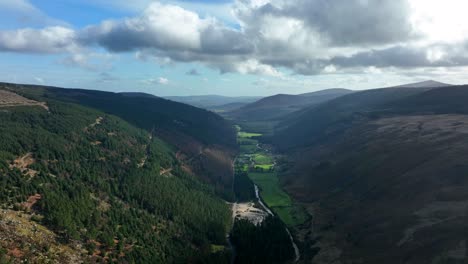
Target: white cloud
[
  {"x": 303, "y": 36},
  {"x": 163, "y": 81},
  {"x": 153, "y": 81},
  {"x": 252, "y": 66},
  {"x": 48, "y": 40},
  {"x": 39, "y": 80}
]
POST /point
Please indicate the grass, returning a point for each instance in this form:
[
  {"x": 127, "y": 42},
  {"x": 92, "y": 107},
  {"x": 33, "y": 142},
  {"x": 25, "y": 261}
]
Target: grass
[
  {"x": 268, "y": 182},
  {"x": 265, "y": 167},
  {"x": 217, "y": 248},
  {"x": 271, "y": 192},
  {"x": 248, "y": 135},
  {"x": 278, "y": 200},
  {"x": 248, "y": 149},
  {"x": 247, "y": 141},
  {"x": 291, "y": 215},
  {"x": 263, "y": 159}
]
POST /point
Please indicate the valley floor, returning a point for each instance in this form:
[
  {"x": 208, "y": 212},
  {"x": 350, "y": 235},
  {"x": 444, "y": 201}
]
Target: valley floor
[{"x": 259, "y": 162}]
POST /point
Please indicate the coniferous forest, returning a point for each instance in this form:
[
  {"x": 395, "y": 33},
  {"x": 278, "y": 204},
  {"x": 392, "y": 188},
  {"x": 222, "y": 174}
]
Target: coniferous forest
[{"x": 108, "y": 185}]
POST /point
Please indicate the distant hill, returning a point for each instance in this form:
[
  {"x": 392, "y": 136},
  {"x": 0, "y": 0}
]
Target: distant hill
[
  {"x": 313, "y": 123},
  {"x": 277, "y": 106},
  {"x": 137, "y": 94},
  {"x": 227, "y": 107},
  {"x": 425, "y": 84},
  {"x": 212, "y": 101},
  {"x": 384, "y": 174},
  {"x": 306, "y": 123}
]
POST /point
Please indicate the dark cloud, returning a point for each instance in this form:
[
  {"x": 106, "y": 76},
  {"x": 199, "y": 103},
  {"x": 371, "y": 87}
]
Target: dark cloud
[
  {"x": 356, "y": 22},
  {"x": 107, "y": 77},
  {"x": 341, "y": 22},
  {"x": 401, "y": 56},
  {"x": 193, "y": 72}
]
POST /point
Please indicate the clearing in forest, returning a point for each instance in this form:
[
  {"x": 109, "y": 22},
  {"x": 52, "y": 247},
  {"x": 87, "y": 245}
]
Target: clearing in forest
[
  {"x": 22, "y": 163},
  {"x": 10, "y": 99}
]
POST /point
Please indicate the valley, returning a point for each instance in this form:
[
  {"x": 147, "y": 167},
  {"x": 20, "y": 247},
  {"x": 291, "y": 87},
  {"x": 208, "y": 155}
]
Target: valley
[
  {"x": 233, "y": 132},
  {"x": 356, "y": 178},
  {"x": 257, "y": 162}
]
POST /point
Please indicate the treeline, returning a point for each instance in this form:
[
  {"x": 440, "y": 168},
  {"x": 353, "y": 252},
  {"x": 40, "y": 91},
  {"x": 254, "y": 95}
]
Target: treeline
[
  {"x": 243, "y": 186},
  {"x": 268, "y": 242},
  {"x": 96, "y": 188}
]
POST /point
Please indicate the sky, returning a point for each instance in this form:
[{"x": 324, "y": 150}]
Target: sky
[{"x": 232, "y": 47}]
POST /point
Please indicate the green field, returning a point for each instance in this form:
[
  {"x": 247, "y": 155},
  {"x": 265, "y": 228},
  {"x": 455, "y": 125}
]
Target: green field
[
  {"x": 271, "y": 192},
  {"x": 265, "y": 167},
  {"x": 277, "y": 199},
  {"x": 268, "y": 181},
  {"x": 291, "y": 215},
  {"x": 263, "y": 159},
  {"x": 247, "y": 141},
  {"x": 217, "y": 248},
  {"x": 242, "y": 134},
  {"x": 248, "y": 149}
]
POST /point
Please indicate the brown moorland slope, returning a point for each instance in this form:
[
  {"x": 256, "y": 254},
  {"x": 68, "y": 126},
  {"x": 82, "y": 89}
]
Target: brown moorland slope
[{"x": 386, "y": 182}]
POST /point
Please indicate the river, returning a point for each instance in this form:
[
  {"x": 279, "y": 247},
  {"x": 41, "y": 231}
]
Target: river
[{"x": 296, "y": 249}]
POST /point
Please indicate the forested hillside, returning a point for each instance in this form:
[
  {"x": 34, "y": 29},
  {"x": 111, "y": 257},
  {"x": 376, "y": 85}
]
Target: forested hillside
[
  {"x": 103, "y": 183},
  {"x": 204, "y": 140}
]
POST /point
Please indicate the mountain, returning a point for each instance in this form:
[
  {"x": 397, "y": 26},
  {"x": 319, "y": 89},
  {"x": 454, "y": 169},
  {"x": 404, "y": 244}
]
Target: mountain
[
  {"x": 227, "y": 107},
  {"x": 212, "y": 101},
  {"x": 89, "y": 176},
  {"x": 137, "y": 94},
  {"x": 278, "y": 106},
  {"x": 383, "y": 174},
  {"x": 425, "y": 84}
]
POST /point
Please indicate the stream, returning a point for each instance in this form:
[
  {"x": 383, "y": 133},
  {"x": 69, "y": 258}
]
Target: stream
[{"x": 296, "y": 249}]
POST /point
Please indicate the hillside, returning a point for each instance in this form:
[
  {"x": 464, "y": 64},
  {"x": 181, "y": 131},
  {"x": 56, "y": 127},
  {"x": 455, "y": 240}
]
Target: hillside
[
  {"x": 333, "y": 117},
  {"x": 425, "y": 84},
  {"x": 83, "y": 181},
  {"x": 383, "y": 174},
  {"x": 278, "y": 106},
  {"x": 205, "y": 141},
  {"x": 212, "y": 101}
]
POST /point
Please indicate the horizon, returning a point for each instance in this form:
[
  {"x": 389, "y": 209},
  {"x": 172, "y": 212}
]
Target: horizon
[
  {"x": 239, "y": 96},
  {"x": 231, "y": 48}
]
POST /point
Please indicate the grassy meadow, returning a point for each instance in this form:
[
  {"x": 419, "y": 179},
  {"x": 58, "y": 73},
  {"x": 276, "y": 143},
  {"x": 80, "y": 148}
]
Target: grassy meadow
[{"x": 260, "y": 165}]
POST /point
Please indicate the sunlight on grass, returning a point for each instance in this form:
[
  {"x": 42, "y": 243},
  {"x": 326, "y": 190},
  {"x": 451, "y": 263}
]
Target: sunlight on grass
[{"x": 248, "y": 135}]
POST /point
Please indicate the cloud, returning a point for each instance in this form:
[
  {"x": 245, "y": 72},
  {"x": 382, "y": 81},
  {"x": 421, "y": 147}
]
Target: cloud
[
  {"x": 305, "y": 37},
  {"x": 107, "y": 77},
  {"x": 163, "y": 81},
  {"x": 88, "y": 60},
  {"x": 253, "y": 66},
  {"x": 26, "y": 14},
  {"x": 193, "y": 72},
  {"x": 344, "y": 22},
  {"x": 168, "y": 28},
  {"x": 438, "y": 55},
  {"x": 158, "y": 81},
  {"x": 48, "y": 40},
  {"x": 39, "y": 80}
]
